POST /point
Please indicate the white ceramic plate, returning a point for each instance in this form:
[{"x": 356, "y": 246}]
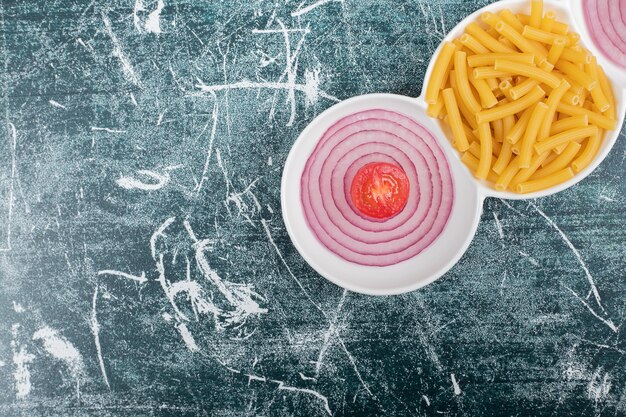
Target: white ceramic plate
[{"x": 470, "y": 193}]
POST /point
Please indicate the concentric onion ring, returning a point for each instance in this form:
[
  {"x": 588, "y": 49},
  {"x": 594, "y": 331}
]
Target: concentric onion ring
[
  {"x": 359, "y": 139},
  {"x": 606, "y": 21}
]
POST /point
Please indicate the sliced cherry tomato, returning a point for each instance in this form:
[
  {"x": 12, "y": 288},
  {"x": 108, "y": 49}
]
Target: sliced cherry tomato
[{"x": 380, "y": 190}]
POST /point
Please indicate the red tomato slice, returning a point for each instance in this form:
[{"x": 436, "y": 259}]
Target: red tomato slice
[{"x": 380, "y": 190}]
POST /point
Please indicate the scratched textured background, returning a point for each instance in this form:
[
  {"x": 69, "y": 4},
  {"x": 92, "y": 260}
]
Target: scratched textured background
[{"x": 145, "y": 268}]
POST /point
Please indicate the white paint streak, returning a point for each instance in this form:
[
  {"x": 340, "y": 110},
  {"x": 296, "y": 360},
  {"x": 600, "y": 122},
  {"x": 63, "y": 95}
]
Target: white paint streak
[
  {"x": 426, "y": 399},
  {"x": 306, "y": 378},
  {"x": 594, "y": 289},
  {"x": 60, "y": 348},
  {"x": 11, "y": 197},
  {"x": 271, "y": 85},
  {"x": 455, "y": 385},
  {"x": 599, "y": 386},
  {"x": 187, "y": 337},
  {"x": 140, "y": 279},
  {"x": 130, "y": 183},
  {"x": 498, "y": 225},
  {"x": 331, "y": 330},
  {"x": 153, "y": 23},
  {"x": 310, "y": 7},
  {"x": 118, "y": 52},
  {"x": 209, "y": 152},
  {"x": 106, "y": 129},
  {"x": 21, "y": 359},
  {"x": 57, "y": 104},
  {"x": 324, "y": 399},
  {"x": 607, "y": 322},
  {"x": 280, "y": 256},
  {"x": 95, "y": 330},
  {"x": 17, "y": 307}
]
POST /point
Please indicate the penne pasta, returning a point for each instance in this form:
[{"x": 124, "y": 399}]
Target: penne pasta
[
  {"x": 503, "y": 159},
  {"x": 565, "y": 137},
  {"x": 559, "y": 162},
  {"x": 460, "y": 140},
  {"x": 525, "y": 173},
  {"x": 487, "y": 59},
  {"x": 523, "y": 88},
  {"x": 520, "y": 41},
  {"x": 547, "y": 22},
  {"x": 472, "y": 163},
  {"x": 527, "y": 71},
  {"x": 487, "y": 98},
  {"x": 508, "y": 16},
  {"x": 486, "y": 40},
  {"x": 530, "y": 135},
  {"x": 599, "y": 119},
  {"x": 438, "y": 74},
  {"x": 590, "y": 151},
  {"x": 546, "y": 182},
  {"x": 462, "y": 82},
  {"x": 568, "y": 123},
  {"x": 513, "y": 107},
  {"x": 575, "y": 74},
  {"x": 597, "y": 95},
  {"x": 472, "y": 44},
  {"x": 552, "y": 102},
  {"x": 542, "y": 36},
  {"x": 486, "y": 152},
  {"x": 513, "y": 135},
  {"x": 536, "y": 13},
  {"x": 556, "y": 50},
  {"x": 434, "y": 110},
  {"x": 482, "y": 73}
]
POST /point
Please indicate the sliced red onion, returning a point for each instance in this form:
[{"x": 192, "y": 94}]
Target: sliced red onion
[
  {"x": 345, "y": 147},
  {"x": 357, "y": 227},
  {"x": 607, "y": 25}
]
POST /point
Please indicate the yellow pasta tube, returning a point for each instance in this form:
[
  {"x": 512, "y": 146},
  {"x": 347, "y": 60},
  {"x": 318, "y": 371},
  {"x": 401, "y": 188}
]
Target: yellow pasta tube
[
  {"x": 505, "y": 88},
  {"x": 550, "y": 158},
  {"x": 530, "y": 135},
  {"x": 546, "y": 182},
  {"x": 498, "y": 130},
  {"x": 488, "y": 41},
  {"x": 468, "y": 115},
  {"x": 523, "y": 88},
  {"x": 590, "y": 151},
  {"x": 462, "y": 82},
  {"x": 474, "y": 149},
  {"x": 575, "y": 74},
  {"x": 460, "y": 140},
  {"x": 597, "y": 95},
  {"x": 569, "y": 123},
  {"x": 565, "y": 137},
  {"x": 548, "y": 21},
  {"x": 486, "y": 152},
  {"x": 434, "y": 110},
  {"x": 558, "y": 27},
  {"x": 491, "y": 82},
  {"x": 573, "y": 37},
  {"x": 472, "y": 163},
  {"x": 536, "y": 13},
  {"x": 556, "y": 50},
  {"x": 527, "y": 71},
  {"x": 507, "y": 175},
  {"x": 487, "y": 98},
  {"x": 490, "y": 58},
  {"x": 525, "y": 173},
  {"x": 520, "y": 41},
  {"x": 508, "y": 16},
  {"x": 607, "y": 91},
  {"x": 503, "y": 159},
  {"x": 559, "y": 162},
  {"x": 482, "y": 73},
  {"x": 577, "y": 57},
  {"x": 438, "y": 74},
  {"x": 489, "y": 18},
  {"x": 601, "y": 120},
  {"x": 472, "y": 44},
  {"x": 514, "y": 135},
  {"x": 540, "y": 35},
  {"x": 513, "y": 107},
  {"x": 552, "y": 102}
]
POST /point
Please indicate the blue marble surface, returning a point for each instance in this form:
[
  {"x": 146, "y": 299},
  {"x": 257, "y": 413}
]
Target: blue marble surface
[{"x": 145, "y": 268}]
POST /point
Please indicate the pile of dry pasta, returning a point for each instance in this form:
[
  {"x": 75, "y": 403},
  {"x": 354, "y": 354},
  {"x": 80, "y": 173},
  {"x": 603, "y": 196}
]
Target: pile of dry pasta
[{"x": 526, "y": 103}]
